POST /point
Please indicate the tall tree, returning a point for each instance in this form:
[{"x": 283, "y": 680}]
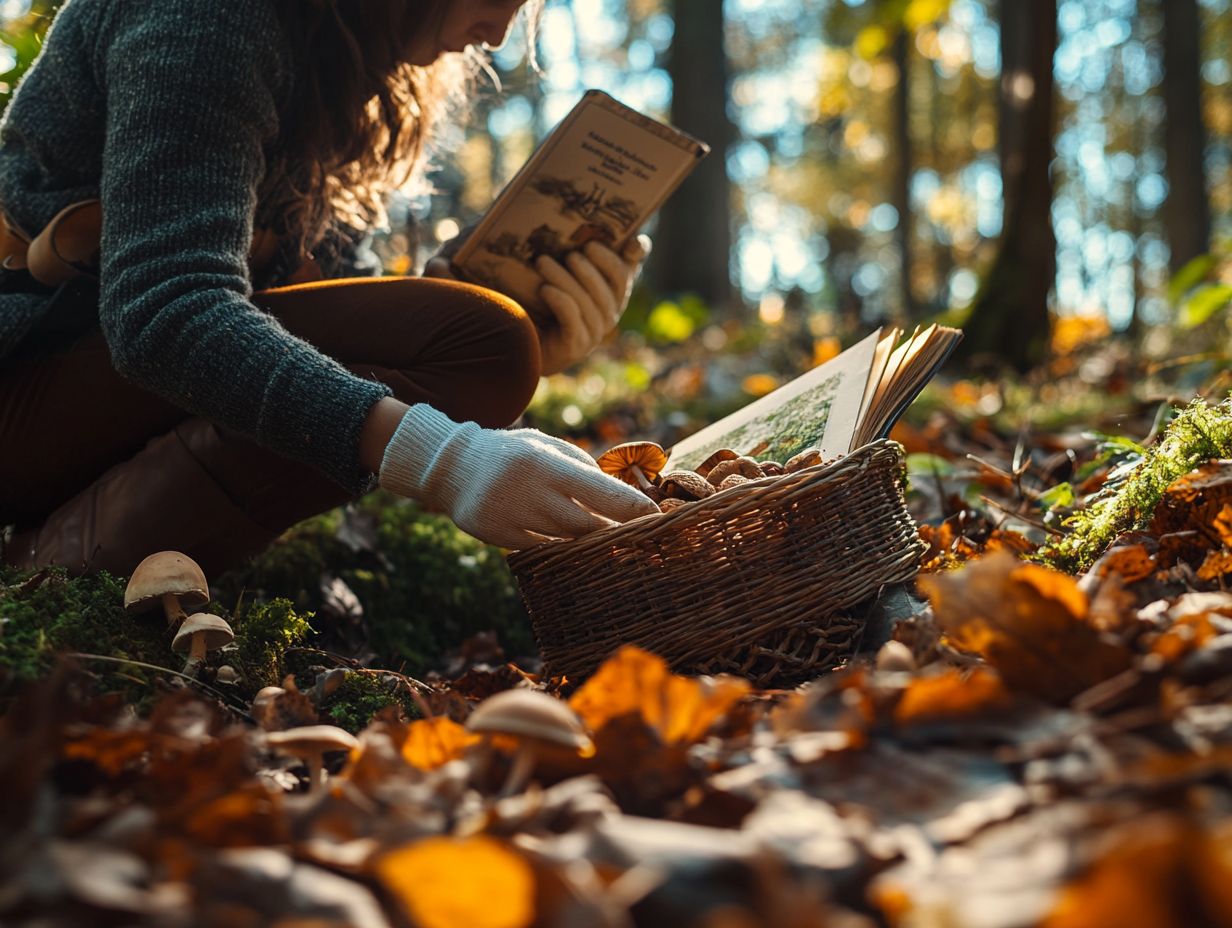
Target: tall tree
[
  {"x": 1009, "y": 321},
  {"x": 903, "y": 167},
  {"x": 1187, "y": 211},
  {"x": 693, "y": 245}
]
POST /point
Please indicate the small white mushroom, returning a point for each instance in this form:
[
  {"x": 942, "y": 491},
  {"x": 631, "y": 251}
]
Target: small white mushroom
[
  {"x": 536, "y": 720},
  {"x": 309, "y": 743},
  {"x": 201, "y": 632},
  {"x": 170, "y": 579}
]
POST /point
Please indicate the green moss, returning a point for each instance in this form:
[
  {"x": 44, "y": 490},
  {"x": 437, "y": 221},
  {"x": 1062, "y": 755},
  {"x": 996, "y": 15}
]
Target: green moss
[
  {"x": 360, "y": 697},
  {"x": 445, "y": 587},
  {"x": 263, "y": 633},
  {"x": 425, "y": 588},
  {"x": 1198, "y": 433},
  {"x": 44, "y": 613}
]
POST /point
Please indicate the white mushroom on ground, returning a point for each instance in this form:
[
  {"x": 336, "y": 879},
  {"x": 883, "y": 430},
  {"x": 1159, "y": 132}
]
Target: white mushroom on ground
[
  {"x": 199, "y": 633},
  {"x": 536, "y": 721},
  {"x": 309, "y": 744},
  {"x": 168, "y": 579}
]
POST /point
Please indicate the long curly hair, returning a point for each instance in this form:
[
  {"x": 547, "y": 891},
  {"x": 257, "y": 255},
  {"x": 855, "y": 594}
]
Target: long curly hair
[{"x": 362, "y": 119}]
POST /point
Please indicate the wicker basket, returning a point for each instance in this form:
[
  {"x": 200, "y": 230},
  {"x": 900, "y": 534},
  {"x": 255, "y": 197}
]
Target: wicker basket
[{"x": 744, "y": 580}]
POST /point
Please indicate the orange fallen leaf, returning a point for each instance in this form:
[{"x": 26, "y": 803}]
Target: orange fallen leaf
[
  {"x": 1164, "y": 872},
  {"x": 477, "y": 882},
  {"x": 951, "y": 695},
  {"x": 1028, "y": 622},
  {"x": 432, "y": 743},
  {"x": 679, "y": 709}
]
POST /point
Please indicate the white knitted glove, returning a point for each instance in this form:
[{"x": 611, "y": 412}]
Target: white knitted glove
[
  {"x": 512, "y": 488},
  {"x": 587, "y": 295}
]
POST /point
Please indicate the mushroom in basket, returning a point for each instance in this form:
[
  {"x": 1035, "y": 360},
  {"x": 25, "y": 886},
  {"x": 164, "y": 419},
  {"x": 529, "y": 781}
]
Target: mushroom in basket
[{"x": 637, "y": 463}]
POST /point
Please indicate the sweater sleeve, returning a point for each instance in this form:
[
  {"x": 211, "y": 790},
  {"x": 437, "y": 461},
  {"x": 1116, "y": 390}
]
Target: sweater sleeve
[{"x": 191, "y": 96}]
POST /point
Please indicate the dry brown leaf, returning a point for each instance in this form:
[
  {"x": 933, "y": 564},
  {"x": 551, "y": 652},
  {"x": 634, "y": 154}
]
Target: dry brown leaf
[
  {"x": 1184, "y": 635},
  {"x": 1130, "y": 562},
  {"x": 1217, "y": 564},
  {"x": 1028, "y": 622},
  {"x": 477, "y": 882}
]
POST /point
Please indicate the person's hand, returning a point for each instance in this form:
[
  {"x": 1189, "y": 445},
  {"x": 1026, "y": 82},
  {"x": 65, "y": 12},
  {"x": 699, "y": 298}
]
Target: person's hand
[
  {"x": 512, "y": 488},
  {"x": 586, "y": 297}
]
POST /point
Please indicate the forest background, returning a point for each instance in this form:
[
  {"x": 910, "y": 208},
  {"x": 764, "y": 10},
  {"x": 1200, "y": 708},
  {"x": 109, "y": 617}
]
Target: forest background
[
  {"x": 1045, "y": 174},
  {"x": 1053, "y": 176}
]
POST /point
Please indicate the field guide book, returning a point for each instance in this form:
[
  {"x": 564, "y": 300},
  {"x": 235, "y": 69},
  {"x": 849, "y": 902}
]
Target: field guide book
[
  {"x": 601, "y": 173},
  {"x": 837, "y": 406}
]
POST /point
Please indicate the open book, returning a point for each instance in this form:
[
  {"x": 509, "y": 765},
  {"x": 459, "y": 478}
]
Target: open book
[
  {"x": 599, "y": 176},
  {"x": 837, "y": 406}
]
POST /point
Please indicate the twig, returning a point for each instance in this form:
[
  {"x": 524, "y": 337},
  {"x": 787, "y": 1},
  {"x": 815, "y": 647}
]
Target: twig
[
  {"x": 1021, "y": 518},
  {"x": 195, "y": 682}
]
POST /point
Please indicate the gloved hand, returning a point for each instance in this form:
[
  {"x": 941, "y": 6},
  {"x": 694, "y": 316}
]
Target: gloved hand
[
  {"x": 511, "y": 488},
  {"x": 587, "y": 295}
]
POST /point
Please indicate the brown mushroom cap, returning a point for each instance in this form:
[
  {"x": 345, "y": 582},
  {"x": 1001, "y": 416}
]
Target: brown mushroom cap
[
  {"x": 312, "y": 739},
  {"x": 620, "y": 461},
  {"x": 744, "y": 466},
  {"x": 809, "y": 457},
  {"x": 723, "y": 454},
  {"x": 214, "y": 629},
  {"x": 530, "y": 714},
  {"x": 685, "y": 484},
  {"x": 162, "y": 573}
]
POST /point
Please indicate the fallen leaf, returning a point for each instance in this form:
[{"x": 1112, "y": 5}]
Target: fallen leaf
[
  {"x": 477, "y": 882},
  {"x": 1028, "y": 622},
  {"x": 679, "y": 709},
  {"x": 951, "y": 695},
  {"x": 432, "y": 743},
  {"x": 1164, "y": 872}
]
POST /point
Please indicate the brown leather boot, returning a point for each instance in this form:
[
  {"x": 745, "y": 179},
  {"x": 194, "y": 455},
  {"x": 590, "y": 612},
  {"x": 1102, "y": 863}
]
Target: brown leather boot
[{"x": 194, "y": 489}]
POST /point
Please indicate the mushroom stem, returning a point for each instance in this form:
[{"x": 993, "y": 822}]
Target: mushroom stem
[
  {"x": 641, "y": 477},
  {"x": 519, "y": 773},
  {"x": 175, "y": 612},
  {"x": 196, "y": 655},
  {"x": 316, "y": 772}
]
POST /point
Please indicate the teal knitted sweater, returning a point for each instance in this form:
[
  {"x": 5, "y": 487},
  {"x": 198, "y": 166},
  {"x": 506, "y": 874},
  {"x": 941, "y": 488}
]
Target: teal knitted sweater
[{"x": 169, "y": 111}]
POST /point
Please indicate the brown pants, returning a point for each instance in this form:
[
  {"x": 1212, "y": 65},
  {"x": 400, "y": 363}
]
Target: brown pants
[{"x": 97, "y": 473}]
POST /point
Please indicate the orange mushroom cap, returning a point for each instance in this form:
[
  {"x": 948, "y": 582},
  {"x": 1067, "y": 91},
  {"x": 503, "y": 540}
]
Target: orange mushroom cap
[{"x": 620, "y": 461}]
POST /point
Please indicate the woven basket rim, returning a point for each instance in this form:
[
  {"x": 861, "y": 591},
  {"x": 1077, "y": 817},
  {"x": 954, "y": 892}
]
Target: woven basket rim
[{"x": 697, "y": 509}]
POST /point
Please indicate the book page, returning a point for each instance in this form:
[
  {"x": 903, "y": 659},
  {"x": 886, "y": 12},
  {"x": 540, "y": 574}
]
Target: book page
[
  {"x": 598, "y": 177},
  {"x": 912, "y": 377},
  {"x": 819, "y": 409}
]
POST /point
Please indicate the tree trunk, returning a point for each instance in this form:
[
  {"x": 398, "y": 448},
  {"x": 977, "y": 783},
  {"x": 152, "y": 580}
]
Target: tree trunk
[
  {"x": 903, "y": 166},
  {"x": 692, "y": 249},
  {"x": 1187, "y": 211},
  {"x": 1009, "y": 322}
]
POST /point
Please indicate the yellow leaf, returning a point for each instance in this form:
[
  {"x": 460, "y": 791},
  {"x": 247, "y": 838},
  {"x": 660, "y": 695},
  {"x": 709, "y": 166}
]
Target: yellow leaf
[
  {"x": 432, "y": 743},
  {"x": 474, "y": 882}
]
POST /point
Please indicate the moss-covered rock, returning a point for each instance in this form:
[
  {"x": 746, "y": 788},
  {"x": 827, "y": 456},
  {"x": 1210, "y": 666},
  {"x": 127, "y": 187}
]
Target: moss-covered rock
[{"x": 1198, "y": 433}]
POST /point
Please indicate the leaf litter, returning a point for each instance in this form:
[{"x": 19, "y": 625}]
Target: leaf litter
[{"x": 1031, "y": 747}]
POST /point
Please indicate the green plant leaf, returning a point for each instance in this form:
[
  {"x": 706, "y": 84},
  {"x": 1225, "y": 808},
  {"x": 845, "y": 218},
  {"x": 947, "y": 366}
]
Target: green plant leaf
[
  {"x": 1188, "y": 277},
  {"x": 1205, "y": 302}
]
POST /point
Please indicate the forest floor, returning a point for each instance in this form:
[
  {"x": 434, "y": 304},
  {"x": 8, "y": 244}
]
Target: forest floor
[{"x": 1045, "y": 739}]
